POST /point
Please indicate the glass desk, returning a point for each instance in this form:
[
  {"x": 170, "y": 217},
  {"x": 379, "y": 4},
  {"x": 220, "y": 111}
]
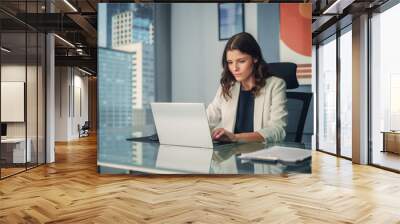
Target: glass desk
[{"x": 141, "y": 157}]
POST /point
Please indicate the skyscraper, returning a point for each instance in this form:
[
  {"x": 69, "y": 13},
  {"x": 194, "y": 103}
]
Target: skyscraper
[
  {"x": 115, "y": 94},
  {"x": 133, "y": 31},
  {"x": 126, "y": 79}
]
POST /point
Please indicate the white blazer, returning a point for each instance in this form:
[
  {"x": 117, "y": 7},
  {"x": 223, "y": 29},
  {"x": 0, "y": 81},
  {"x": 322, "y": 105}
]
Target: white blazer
[{"x": 270, "y": 113}]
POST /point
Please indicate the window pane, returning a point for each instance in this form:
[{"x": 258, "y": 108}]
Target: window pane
[
  {"x": 327, "y": 96},
  {"x": 126, "y": 83},
  {"x": 385, "y": 84},
  {"x": 346, "y": 94}
]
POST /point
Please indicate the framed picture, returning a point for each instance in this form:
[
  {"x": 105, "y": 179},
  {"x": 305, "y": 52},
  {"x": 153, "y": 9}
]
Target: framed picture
[{"x": 230, "y": 19}]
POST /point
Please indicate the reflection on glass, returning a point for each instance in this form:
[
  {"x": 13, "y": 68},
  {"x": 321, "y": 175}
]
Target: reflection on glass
[
  {"x": 155, "y": 158},
  {"x": 385, "y": 84},
  {"x": 193, "y": 160},
  {"x": 22, "y": 68},
  {"x": 346, "y": 94},
  {"x": 327, "y": 96}
]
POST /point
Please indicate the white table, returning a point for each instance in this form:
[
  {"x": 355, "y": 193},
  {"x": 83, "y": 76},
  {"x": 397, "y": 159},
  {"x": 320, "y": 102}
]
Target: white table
[{"x": 19, "y": 153}]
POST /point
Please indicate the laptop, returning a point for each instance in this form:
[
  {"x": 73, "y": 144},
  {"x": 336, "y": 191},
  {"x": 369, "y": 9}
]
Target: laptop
[{"x": 183, "y": 124}]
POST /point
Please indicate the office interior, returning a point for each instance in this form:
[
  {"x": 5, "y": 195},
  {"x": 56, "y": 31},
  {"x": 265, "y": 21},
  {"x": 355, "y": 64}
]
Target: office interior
[
  {"x": 357, "y": 83},
  {"x": 57, "y": 65},
  {"x": 39, "y": 108},
  {"x": 49, "y": 75}
]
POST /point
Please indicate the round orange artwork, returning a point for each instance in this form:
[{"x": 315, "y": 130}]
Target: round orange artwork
[{"x": 295, "y": 27}]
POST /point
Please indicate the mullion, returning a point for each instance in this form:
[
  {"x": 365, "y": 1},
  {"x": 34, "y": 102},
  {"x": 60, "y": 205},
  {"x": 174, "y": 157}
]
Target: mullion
[
  {"x": 37, "y": 89},
  {"x": 26, "y": 86},
  {"x": 338, "y": 94},
  {"x": 317, "y": 96}
]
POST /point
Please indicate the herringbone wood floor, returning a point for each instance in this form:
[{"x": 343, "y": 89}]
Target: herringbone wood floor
[{"x": 71, "y": 191}]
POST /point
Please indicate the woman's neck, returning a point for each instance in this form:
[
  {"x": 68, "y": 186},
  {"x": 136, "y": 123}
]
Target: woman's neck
[{"x": 249, "y": 83}]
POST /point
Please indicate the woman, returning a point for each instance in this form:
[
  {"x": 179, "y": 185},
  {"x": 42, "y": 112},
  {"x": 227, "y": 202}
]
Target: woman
[{"x": 250, "y": 104}]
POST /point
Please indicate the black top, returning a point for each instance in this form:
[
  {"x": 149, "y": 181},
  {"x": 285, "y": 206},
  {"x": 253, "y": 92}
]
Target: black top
[{"x": 245, "y": 112}]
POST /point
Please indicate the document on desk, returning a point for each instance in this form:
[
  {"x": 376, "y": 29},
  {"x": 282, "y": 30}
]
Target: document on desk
[{"x": 278, "y": 154}]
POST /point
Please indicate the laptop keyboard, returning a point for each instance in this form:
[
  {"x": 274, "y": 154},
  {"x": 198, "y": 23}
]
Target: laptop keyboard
[
  {"x": 152, "y": 139},
  {"x": 218, "y": 143}
]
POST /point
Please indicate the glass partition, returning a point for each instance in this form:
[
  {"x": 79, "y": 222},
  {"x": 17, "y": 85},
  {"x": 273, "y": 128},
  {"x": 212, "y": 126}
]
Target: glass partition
[
  {"x": 13, "y": 107},
  {"x": 22, "y": 90}
]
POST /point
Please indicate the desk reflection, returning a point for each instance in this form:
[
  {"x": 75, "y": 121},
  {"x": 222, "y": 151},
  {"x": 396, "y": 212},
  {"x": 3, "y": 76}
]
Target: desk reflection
[{"x": 142, "y": 157}]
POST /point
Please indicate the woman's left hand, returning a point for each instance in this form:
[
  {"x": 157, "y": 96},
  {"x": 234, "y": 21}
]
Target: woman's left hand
[{"x": 221, "y": 134}]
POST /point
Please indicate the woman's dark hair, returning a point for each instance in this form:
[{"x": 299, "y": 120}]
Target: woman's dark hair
[{"x": 245, "y": 43}]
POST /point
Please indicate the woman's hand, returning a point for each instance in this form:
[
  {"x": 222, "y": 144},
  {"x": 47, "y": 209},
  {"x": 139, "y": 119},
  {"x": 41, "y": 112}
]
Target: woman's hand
[{"x": 221, "y": 134}]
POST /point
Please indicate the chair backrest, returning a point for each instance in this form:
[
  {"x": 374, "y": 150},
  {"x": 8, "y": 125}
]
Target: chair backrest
[
  {"x": 298, "y": 102},
  {"x": 86, "y": 125},
  {"x": 285, "y": 71},
  {"x": 298, "y": 105}
]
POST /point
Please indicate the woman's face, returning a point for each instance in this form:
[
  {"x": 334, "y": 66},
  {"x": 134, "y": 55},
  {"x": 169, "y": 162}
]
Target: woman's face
[{"x": 240, "y": 64}]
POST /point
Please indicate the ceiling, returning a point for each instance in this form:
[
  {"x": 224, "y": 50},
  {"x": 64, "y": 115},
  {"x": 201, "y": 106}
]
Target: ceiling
[
  {"x": 331, "y": 15},
  {"x": 76, "y": 22}
]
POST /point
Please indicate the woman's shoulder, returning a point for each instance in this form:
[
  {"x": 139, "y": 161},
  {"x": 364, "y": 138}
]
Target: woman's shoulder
[
  {"x": 273, "y": 81},
  {"x": 273, "y": 78}
]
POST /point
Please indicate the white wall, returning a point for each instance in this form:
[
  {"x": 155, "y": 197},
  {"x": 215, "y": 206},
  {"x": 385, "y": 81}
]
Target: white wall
[
  {"x": 12, "y": 73},
  {"x": 68, "y": 82},
  {"x": 33, "y": 127},
  {"x": 80, "y": 82},
  {"x": 196, "y": 52},
  {"x": 61, "y": 103}
]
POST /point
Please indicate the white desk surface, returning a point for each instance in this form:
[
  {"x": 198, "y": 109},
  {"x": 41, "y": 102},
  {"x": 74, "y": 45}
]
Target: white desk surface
[{"x": 13, "y": 140}]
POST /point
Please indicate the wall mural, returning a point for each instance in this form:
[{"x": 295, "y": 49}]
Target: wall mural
[{"x": 295, "y": 38}]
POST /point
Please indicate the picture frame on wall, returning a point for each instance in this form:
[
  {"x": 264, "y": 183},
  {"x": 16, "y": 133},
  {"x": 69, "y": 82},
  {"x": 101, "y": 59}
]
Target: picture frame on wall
[{"x": 230, "y": 19}]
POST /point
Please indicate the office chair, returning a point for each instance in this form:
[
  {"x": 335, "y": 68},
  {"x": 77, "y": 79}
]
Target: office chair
[
  {"x": 298, "y": 105},
  {"x": 285, "y": 71},
  {"x": 298, "y": 102},
  {"x": 84, "y": 130}
]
